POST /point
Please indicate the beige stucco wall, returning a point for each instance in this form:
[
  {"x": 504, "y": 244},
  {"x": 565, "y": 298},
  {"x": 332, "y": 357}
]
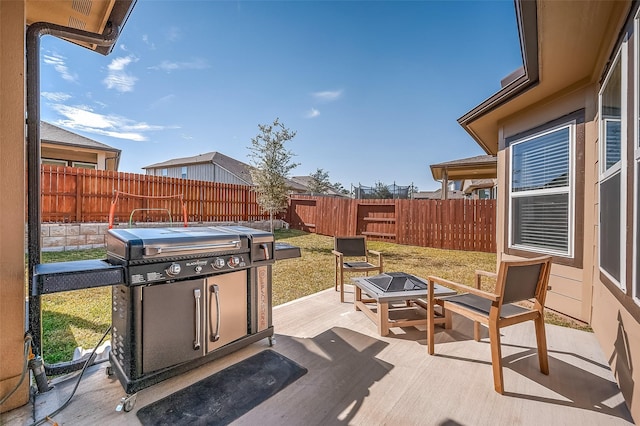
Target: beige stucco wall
[
  {"x": 570, "y": 291},
  {"x": 579, "y": 292},
  {"x": 12, "y": 213}
]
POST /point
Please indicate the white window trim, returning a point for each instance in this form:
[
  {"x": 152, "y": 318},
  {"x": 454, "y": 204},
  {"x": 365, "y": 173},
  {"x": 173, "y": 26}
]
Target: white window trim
[
  {"x": 570, "y": 189},
  {"x": 82, "y": 163},
  {"x": 620, "y": 166},
  {"x": 61, "y": 163}
]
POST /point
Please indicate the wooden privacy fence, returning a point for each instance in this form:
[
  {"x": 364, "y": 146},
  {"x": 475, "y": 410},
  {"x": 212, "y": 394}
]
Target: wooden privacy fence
[
  {"x": 448, "y": 224},
  {"x": 71, "y": 194}
]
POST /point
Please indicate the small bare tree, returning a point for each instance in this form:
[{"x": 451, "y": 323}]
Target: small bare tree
[{"x": 271, "y": 163}]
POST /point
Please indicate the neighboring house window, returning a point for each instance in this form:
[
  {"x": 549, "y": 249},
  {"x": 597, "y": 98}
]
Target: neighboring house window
[
  {"x": 612, "y": 205},
  {"x": 541, "y": 192},
  {"x": 165, "y": 172},
  {"x": 82, "y": 165},
  {"x": 53, "y": 162},
  {"x": 184, "y": 172}
]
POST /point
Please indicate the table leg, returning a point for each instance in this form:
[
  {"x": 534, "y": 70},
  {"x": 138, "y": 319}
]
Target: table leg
[
  {"x": 383, "y": 319},
  {"x": 357, "y": 296}
]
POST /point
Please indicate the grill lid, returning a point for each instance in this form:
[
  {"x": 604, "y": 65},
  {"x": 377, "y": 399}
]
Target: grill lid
[{"x": 143, "y": 243}]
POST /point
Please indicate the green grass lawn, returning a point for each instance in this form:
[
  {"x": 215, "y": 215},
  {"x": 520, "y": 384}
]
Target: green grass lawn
[{"x": 79, "y": 318}]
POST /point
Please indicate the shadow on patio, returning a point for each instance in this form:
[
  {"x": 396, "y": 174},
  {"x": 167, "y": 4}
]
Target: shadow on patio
[{"x": 357, "y": 377}]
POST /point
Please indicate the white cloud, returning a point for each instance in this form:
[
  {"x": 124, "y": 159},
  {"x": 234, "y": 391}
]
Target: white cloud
[
  {"x": 55, "y": 96},
  {"x": 117, "y": 77},
  {"x": 84, "y": 119},
  {"x": 327, "y": 95},
  {"x": 168, "y": 66},
  {"x": 145, "y": 39},
  {"x": 58, "y": 63},
  {"x": 312, "y": 113},
  {"x": 163, "y": 101},
  {"x": 173, "y": 34}
]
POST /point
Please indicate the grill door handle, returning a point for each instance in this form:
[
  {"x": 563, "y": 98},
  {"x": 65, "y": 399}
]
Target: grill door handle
[
  {"x": 196, "y": 342},
  {"x": 265, "y": 250},
  {"x": 215, "y": 336},
  {"x": 153, "y": 250}
]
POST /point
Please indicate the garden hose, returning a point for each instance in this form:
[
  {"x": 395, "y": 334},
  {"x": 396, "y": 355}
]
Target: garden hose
[{"x": 27, "y": 347}]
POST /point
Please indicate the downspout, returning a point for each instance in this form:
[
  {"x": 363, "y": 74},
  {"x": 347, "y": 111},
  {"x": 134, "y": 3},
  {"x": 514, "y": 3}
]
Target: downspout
[{"x": 34, "y": 32}]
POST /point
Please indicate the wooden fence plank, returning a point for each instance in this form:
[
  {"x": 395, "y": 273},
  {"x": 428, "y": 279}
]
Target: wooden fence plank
[
  {"x": 449, "y": 224},
  {"x": 79, "y": 195}
]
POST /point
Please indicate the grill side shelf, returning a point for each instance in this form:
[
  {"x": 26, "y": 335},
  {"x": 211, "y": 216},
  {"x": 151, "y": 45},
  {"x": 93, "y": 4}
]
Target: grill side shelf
[{"x": 75, "y": 275}]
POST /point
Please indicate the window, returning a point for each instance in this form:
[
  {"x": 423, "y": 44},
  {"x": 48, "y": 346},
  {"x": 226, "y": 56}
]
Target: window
[
  {"x": 612, "y": 107},
  {"x": 53, "y": 162},
  {"x": 541, "y": 192},
  {"x": 165, "y": 172},
  {"x": 184, "y": 172},
  {"x": 82, "y": 165}
]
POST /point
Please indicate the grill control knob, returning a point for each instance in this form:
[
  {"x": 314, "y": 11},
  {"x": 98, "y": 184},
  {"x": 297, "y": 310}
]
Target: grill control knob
[
  {"x": 233, "y": 261},
  {"x": 174, "y": 269},
  {"x": 219, "y": 263}
]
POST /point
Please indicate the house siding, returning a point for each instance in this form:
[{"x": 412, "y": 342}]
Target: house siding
[
  {"x": 12, "y": 214},
  {"x": 205, "y": 172},
  {"x": 570, "y": 289},
  {"x": 581, "y": 291}
]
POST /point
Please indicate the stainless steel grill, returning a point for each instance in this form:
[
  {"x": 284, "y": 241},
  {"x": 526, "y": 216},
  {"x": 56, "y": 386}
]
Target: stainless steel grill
[{"x": 189, "y": 295}]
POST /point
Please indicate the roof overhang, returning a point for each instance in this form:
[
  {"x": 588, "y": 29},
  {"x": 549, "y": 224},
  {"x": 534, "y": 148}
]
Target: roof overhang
[
  {"x": 93, "y": 16},
  {"x": 466, "y": 169},
  {"x": 564, "y": 47}
]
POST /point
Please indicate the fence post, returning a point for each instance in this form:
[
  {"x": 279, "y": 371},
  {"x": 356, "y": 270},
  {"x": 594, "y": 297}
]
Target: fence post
[{"x": 79, "y": 194}]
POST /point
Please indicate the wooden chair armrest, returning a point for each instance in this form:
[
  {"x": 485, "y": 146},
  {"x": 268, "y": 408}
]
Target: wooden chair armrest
[
  {"x": 464, "y": 288},
  {"x": 480, "y": 274},
  {"x": 377, "y": 253},
  {"x": 336, "y": 253},
  {"x": 486, "y": 274}
]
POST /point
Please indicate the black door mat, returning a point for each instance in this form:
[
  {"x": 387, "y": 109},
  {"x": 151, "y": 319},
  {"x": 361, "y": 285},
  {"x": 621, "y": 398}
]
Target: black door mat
[{"x": 223, "y": 397}]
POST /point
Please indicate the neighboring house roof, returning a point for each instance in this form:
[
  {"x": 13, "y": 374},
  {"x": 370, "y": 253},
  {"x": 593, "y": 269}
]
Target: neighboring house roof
[
  {"x": 303, "y": 183},
  {"x": 59, "y": 136},
  {"x": 576, "y": 27},
  {"x": 241, "y": 170},
  {"x": 437, "y": 195},
  {"x": 473, "y": 184},
  {"x": 479, "y": 167}
]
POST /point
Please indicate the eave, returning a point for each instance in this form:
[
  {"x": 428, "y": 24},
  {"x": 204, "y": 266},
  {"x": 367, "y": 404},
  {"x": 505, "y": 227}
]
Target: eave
[{"x": 551, "y": 33}]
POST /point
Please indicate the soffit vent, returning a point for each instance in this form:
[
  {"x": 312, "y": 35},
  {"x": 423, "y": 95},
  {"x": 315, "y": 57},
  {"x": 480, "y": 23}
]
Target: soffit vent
[
  {"x": 76, "y": 23},
  {"x": 82, "y": 6}
]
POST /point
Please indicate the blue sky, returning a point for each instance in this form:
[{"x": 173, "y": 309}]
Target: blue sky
[{"x": 373, "y": 89}]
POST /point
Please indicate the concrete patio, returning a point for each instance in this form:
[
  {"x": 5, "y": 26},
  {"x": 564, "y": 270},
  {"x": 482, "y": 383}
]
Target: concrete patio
[{"x": 357, "y": 377}]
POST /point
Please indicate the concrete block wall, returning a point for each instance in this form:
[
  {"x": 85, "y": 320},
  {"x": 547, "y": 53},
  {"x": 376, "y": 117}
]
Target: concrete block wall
[
  {"x": 82, "y": 236},
  {"x": 72, "y": 236}
]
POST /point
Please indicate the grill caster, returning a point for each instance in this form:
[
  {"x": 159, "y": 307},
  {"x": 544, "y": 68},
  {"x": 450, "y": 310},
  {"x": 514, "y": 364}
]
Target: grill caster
[
  {"x": 272, "y": 340},
  {"x": 127, "y": 403},
  {"x": 109, "y": 371}
]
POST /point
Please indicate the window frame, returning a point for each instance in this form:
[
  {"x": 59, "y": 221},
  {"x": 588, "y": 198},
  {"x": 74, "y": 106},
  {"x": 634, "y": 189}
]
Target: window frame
[
  {"x": 54, "y": 162},
  {"x": 605, "y": 174},
  {"x": 571, "y": 125},
  {"x": 83, "y": 164}
]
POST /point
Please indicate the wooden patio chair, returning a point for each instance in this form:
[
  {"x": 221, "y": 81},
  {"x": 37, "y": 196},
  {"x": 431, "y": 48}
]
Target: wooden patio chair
[
  {"x": 516, "y": 281},
  {"x": 351, "y": 255}
]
